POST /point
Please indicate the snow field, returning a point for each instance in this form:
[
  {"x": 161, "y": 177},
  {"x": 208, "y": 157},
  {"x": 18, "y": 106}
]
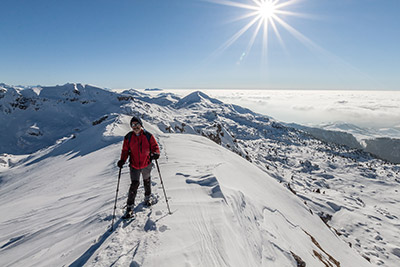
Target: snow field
[{"x": 226, "y": 212}]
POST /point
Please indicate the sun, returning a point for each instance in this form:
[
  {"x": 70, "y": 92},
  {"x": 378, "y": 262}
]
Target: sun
[
  {"x": 266, "y": 9},
  {"x": 263, "y": 16}
]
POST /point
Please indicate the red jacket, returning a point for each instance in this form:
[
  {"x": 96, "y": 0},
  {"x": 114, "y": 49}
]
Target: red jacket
[{"x": 140, "y": 149}]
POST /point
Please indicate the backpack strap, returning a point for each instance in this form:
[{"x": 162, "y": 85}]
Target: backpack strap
[
  {"x": 148, "y": 135},
  {"x": 128, "y": 137}
]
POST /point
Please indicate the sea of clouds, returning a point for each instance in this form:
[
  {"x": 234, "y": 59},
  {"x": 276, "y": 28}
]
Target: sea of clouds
[{"x": 367, "y": 109}]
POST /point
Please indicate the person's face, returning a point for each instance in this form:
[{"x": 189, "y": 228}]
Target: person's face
[{"x": 136, "y": 127}]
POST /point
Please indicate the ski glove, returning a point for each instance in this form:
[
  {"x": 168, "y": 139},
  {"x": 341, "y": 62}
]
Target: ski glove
[
  {"x": 120, "y": 163},
  {"x": 154, "y": 156}
]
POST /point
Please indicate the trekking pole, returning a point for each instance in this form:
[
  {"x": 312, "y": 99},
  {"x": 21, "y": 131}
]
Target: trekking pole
[
  {"x": 116, "y": 196},
  {"x": 166, "y": 199}
]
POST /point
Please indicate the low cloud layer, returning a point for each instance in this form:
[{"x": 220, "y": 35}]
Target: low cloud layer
[{"x": 371, "y": 109}]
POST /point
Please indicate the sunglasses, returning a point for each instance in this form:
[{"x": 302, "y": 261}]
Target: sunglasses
[{"x": 135, "y": 124}]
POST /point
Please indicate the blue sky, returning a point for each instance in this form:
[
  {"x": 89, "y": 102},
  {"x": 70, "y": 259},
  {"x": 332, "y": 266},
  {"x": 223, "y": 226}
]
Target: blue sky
[{"x": 175, "y": 44}]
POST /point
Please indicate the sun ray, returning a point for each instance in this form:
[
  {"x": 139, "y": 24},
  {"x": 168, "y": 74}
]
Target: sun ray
[
  {"x": 245, "y": 16},
  {"x": 268, "y": 14},
  {"x": 315, "y": 47},
  {"x": 287, "y": 3},
  {"x": 273, "y": 25},
  {"x": 257, "y": 2},
  {"x": 233, "y": 4},
  {"x": 299, "y": 36},
  {"x": 252, "y": 39},
  {"x": 265, "y": 39},
  {"x": 236, "y": 36},
  {"x": 291, "y": 13}
]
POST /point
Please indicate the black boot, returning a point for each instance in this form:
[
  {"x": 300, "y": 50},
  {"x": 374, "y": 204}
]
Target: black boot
[
  {"x": 129, "y": 212},
  {"x": 147, "y": 200}
]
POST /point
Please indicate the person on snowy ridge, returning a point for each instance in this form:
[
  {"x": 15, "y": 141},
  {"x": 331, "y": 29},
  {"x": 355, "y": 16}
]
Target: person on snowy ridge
[{"x": 142, "y": 148}]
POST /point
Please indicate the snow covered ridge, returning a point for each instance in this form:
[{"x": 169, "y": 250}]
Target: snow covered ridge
[
  {"x": 35, "y": 118},
  {"x": 219, "y": 218},
  {"x": 385, "y": 148},
  {"x": 355, "y": 194}
]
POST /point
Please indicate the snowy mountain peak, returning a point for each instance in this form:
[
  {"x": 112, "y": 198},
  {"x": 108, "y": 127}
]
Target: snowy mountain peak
[
  {"x": 56, "y": 112},
  {"x": 196, "y": 97},
  {"x": 73, "y": 90},
  {"x": 3, "y": 87}
]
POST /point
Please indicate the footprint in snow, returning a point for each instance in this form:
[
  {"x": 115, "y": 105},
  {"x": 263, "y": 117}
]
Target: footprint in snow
[
  {"x": 150, "y": 225},
  {"x": 163, "y": 228}
]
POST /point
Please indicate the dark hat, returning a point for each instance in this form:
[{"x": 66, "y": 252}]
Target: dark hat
[{"x": 136, "y": 119}]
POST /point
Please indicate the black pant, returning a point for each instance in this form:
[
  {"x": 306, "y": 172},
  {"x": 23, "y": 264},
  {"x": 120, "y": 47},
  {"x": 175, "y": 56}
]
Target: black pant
[{"x": 135, "y": 181}]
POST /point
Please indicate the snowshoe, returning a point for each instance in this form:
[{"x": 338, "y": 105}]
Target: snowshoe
[
  {"x": 150, "y": 200},
  {"x": 128, "y": 214}
]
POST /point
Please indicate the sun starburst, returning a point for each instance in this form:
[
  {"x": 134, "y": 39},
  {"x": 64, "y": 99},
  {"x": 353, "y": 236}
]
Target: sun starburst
[
  {"x": 264, "y": 16},
  {"x": 266, "y": 9}
]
